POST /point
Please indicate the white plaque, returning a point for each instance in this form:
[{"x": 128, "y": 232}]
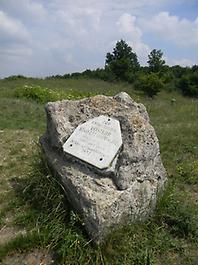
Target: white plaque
[{"x": 96, "y": 141}]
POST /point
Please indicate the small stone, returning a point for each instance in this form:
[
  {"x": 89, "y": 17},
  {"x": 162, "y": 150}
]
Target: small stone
[{"x": 123, "y": 97}]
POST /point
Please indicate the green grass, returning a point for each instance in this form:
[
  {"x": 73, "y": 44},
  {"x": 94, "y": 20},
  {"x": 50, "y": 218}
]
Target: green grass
[
  {"x": 176, "y": 128},
  {"x": 34, "y": 198},
  {"x": 20, "y": 114},
  {"x": 76, "y": 86}
]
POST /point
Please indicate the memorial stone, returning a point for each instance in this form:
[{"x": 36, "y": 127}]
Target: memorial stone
[{"x": 106, "y": 153}]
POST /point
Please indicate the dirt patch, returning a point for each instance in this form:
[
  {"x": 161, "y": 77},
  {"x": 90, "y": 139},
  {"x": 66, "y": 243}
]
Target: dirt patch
[
  {"x": 8, "y": 233},
  {"x": 37, "y": 257}
]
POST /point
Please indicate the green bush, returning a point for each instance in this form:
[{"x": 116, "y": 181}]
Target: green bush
[
  {"x": 44, "y": 95},
  {"x": 188, "y": 85},
  {"x": 150, "y": 84},
  {"x": 37, "y": 93},
  {"x": 15, "y": 77}
]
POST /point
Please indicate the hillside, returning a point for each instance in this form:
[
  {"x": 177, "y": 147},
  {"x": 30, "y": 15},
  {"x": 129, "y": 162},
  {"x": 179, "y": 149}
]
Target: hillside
[{"x": 33, "y": 218}]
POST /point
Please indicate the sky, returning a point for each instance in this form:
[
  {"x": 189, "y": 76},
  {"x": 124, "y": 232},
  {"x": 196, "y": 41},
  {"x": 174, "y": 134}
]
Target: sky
[{"x": 46, "y": 37}]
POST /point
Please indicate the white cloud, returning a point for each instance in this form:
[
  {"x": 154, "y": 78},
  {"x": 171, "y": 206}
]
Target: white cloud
[
  {"x": 126, "y": 24},
  {"x": 39, "y": 37},
  {"x": 14, "y": 43},
  {"x": 182, "y": 62},
  {"x": 16, "y": 51},
  {"x": 12, "y": 29},
  {"x": 142, "y": 50},
  {"x": 133, "y": 34},
  {"x": 108, "y": 6},
  {"x": 27, "y": 10},
  {"x": 180, "y": 31}
]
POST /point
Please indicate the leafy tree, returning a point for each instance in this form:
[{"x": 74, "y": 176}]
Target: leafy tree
[
  {"x": 150, "y": 84},
  {"x": 195, "y": 68},
  {"x": 156, "y": 62},
  {"x": 122, "y": 62}
]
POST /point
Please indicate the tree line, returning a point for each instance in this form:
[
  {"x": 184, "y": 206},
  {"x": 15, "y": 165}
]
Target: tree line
[{"x": 122, "y": 65}]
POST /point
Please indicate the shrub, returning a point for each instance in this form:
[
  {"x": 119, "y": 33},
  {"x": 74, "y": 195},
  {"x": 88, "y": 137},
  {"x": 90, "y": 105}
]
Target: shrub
[
  {"x": 37, "y": 93},
  {"x": 44, "y": 95},
  {"x": 188, "y": 84},
  {"x": 150, "y": 84},
  {"x": 99, "y": 73},
  {"x": 15, "y": 77}
]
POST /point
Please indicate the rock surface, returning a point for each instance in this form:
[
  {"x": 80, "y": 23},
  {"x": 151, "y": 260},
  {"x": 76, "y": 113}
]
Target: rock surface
[{"x": 126, "y": 194}]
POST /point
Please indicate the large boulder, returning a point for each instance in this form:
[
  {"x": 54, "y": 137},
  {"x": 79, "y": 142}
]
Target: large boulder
[{"x": 124, "y": 191}]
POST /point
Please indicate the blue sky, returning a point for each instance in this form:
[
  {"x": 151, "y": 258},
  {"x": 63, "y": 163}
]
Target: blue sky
[{"x": 45, "y": 37}]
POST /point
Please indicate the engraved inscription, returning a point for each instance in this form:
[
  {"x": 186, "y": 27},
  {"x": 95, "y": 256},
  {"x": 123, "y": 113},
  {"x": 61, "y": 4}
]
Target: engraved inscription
[{"x": 96, "y": 141}]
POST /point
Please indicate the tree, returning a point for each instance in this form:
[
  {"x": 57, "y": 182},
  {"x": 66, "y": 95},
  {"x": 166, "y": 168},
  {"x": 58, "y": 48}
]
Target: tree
[
  {"x": 150, "y": 84},
  {"x": 195, "y": 68},
  {"x": 122, "y": 62},
  {"x": 156, "y": 62}
]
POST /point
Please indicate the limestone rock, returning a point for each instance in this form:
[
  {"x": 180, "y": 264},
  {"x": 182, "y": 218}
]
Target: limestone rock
[{"x": 107, "y": 198}]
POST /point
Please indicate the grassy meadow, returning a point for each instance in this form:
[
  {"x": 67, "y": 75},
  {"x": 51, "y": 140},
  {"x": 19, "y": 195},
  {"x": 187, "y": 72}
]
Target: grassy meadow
[{"x": 33, "y": 211}]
